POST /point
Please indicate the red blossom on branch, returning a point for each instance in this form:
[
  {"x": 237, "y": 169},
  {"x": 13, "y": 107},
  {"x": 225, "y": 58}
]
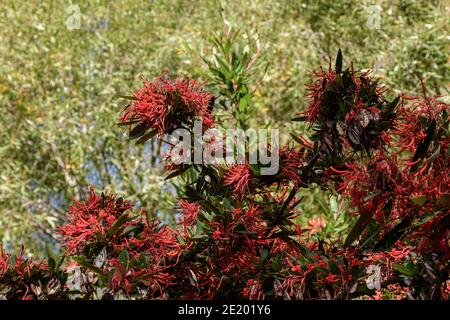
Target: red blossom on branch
[
  {"x": 164, "y": 105},
  {"x": 90, "y": 220},
  {"x": 239, "y": 178},
  {"x": 239, "y": 235}
]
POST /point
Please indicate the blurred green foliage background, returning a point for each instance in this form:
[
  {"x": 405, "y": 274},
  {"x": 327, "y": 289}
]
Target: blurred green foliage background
[{"x": 58, "y": 86}]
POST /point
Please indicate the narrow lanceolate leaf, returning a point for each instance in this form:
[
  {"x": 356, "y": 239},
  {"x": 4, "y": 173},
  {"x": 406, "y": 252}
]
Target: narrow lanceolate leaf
[
  {"x": 393, "y": 235},
  {"x": 137, "y": 131},
  {"x": 404, "y": 270},
  {"x": 422, "y": 148},
  {"x": 419, "y": 200},
  {"x": 296, "y": 139},
  {"x": 358, "y": 228},
  {"x": 51, "y": 263},
  {"x": 300, "y": 118},
  {"x": 136, "y": 229},
  {"x": 208, "y": 206},
  {"x": 192, "y": 278},
  {"x": 391, "y": 106},
  {"x": 293, "y": 243},
  {"x": 435, "y": 154},
  {"x": 146, "y": 137},
  {"x": 126, "y": 97},
  {"x": 117, "y": 225},
  {"x": 339, "y": 62},
  {"x": 84, "y": 263},
  {"x": 127, "y": 123},
  {"x": 124, "y": 258},
  {"x": 177, "y": 172},
  {"x": 264, "y": 255}
]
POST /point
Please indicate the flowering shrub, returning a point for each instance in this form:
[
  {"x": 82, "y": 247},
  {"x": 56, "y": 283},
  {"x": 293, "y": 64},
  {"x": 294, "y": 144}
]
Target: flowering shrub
[
  {"x": 238, "y": 235},
  {"x": 164, "y": 105}
]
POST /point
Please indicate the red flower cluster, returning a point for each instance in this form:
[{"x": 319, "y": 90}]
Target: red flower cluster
[
  {"x": 410, "y": 183},
  {"x": 312, "y": 272},
  {"x": 131, "y": 251},
  {"x": 4, "y": 262},
  {"x": 239, "y": 178},
  {"x": 190, "y": 212},
  {"x": 331, "y": 88},
  {"x": 164, "y": 105},
  {"x": 348, "y": 110},
  {"x": 233, "y": 252},
  {"x": 323, "y": 78},
  {"x": 147, "y": 260},
  {"x": 291, "y": 162},
  {"x": 27, "y": 279},
  {"x": 90, "y": 220},
  {"x": 238, "y": 235}
]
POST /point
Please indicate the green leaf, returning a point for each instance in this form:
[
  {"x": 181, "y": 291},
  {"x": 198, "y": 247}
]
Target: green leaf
[
  {"x": 136, "y": 229},
  {"x": 177, "y": 172},
  {"x": 137, "y": 131},
  {"x": 264, "y": 255},
  {"x": 393, "y": 235},
  {"x": 296, "y": 139},
  {"x": 208, "y": 206},
  {"x": 339, "y": 62},
  {"x": 391, "y": 106},
  {"x": 146, "y": 137},
  {"x": 124, "y": 258},
  {"x": 334, "y": 267},
  {"x": 181, "y": 240},
  {"x": 422, "y": 148},
  {"x": 347, "y": 80},
  {"x": 84, "y": 263},
  {"x": 435, "y": 154},
  {"x": 419, "y": 200},
  {"x": 126, "y": 97},
  {"x": 292, "y": 242},
  {"x": 300, "y": 118},
  {"x": 127, "y": 123},
  {"x": 51, "y": 263},
  {"x": 358, "y": 228},
  {"x": 227, "y": 204},
  {"x": 404, "y": 270},
  {"x": 117, "y": 225}
]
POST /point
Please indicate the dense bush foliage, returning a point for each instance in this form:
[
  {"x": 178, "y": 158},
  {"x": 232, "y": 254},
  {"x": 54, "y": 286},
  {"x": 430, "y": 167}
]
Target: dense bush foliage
[
  {"x": 58, "y": 88},
  {"x": 237, "y": 233}
]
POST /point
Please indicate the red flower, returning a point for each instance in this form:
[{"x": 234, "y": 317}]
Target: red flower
[
  {"x": 190, "y": 211},
  {"x": 91, "y": 219},
  {"x": 22, "y": 277},
  {"x": 165, "y": 105},
  {"x": 238, "y": 176},
  {"x": 332, "y": 278},
  {"x": 291, "y": 162},
  {"x": 253, "y": 290},
  {"x": 4, "y": 262},
  {"x": 158, "y": 247},
  {"x": 316, "y": 91}
]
